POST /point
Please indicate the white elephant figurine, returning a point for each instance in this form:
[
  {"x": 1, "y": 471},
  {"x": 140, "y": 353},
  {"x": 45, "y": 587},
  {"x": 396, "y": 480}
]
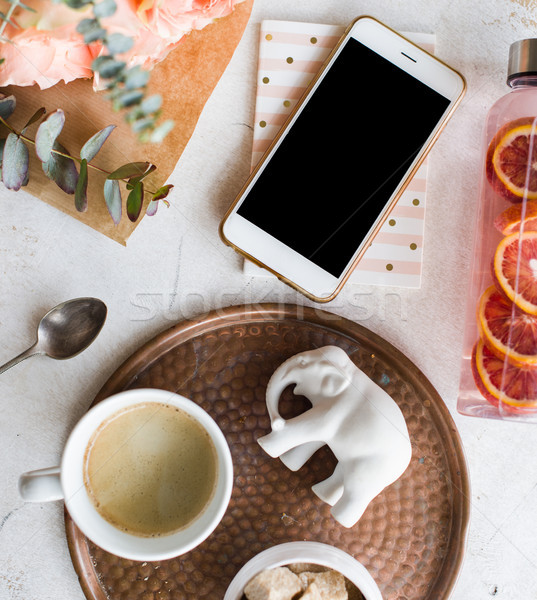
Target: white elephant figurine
[{"x": 363, "y": 426}]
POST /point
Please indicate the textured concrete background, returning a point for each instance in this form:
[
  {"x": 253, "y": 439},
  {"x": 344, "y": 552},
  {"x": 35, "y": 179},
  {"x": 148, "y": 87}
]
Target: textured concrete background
[{"x": 175, "y": 267}]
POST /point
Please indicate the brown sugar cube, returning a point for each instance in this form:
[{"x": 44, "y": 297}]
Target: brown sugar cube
[
  {"x": 273, "y": 584},
  {"x": 312, "y": 593},
  {"x": 331, "y": 584}
]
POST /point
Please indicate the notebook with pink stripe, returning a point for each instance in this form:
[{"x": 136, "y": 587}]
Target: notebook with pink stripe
[{"x": 290, "y": 53}]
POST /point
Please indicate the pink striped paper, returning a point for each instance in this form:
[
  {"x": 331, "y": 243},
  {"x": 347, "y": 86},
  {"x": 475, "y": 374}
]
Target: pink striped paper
[{"x": 290, "y": 54}]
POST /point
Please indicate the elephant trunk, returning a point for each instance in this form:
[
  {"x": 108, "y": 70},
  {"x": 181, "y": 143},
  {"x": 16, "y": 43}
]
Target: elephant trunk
[{"x": 277, "y": 383}]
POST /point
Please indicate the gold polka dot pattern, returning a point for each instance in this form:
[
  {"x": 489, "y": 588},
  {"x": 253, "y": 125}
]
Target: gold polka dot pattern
[{"x": 411, "y": 536}]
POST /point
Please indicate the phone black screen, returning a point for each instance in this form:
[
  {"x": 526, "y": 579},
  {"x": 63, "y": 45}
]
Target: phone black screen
[{"x": 344, "y": 156}]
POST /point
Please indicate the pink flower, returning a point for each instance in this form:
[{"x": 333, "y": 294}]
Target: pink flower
[
  {"x": 36, "y": 57},
  {"x": 157, "y": 26},
  {"x": 47, "y": 48},
  {"x": 168, "y": 18}
]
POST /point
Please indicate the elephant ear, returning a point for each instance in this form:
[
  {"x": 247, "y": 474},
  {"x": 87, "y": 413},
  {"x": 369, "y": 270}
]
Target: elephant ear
[{"x": 333, "y": 383}]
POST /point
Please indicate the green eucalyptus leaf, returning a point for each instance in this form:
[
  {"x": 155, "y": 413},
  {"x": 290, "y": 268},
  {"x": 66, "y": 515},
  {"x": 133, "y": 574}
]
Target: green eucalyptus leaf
[
  {"x": 112, "y": 69},
  {"x": 47, "y": 133},
  {"x": 95, "y": 143},
  {"x": 35, "y": 117},
  {"x": 112, "y": 196},
  {"x": 151, "y": 104},
  {"x": 112, "y": 84},
  {"x": 142, "y": 124},
  {"x": 107, "y": 66},
  {"x": 94, "y": 35},
  {"x": 136, "y": 77},
  {"x": 162, "y": 192},
  {"x": 128, "y": 98},
  {"x": 7, "y": 106},
  {"x": 61, "y": 170},
  {"x": 134, "y": 180},
  {"x": 98, "y": 62},
  {"x": 15, "y": 162},
  {"x": 144, "y": 136},
  {"x": 134, "y": 201},
  {"x": 152, "y": 208},
  {"x": 87, "y": 25},
  {"x": 130, "y": 170},
  {"x": 91, "y": 29},
  {"x": 81, "y": 196},
  {"x": 106, "y": 8},
  {"x": 161, "y": 132},
  {"x": 117, "y": 43},
  {"x": 76, "y": 3}
]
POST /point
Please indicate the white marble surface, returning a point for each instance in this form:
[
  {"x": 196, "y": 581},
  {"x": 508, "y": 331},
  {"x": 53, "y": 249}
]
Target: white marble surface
[{"x": 175, "y": 266}]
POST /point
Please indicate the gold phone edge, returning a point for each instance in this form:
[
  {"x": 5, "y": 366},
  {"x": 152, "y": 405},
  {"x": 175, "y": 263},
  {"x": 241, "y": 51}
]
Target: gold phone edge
[{"x": 370, "y": 238}]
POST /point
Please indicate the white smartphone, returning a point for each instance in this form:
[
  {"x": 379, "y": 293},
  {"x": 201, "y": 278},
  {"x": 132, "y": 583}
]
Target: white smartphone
[{"x": 312, "y": 206}]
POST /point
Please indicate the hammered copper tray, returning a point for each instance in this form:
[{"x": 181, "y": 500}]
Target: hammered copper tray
[{"x": 411, "y": 537}]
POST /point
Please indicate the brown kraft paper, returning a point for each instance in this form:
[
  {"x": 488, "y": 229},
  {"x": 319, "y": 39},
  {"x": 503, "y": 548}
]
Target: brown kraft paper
[{"x": 185, "y": 79}]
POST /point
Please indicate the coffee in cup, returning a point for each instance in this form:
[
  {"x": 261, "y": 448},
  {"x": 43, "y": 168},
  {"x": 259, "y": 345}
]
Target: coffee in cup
[{"x": 150, "y": 469}]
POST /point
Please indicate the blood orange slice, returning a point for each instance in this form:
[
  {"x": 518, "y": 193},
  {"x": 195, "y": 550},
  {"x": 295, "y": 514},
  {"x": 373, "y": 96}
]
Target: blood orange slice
[
  {"x": 511, "y": 162},
  {"x": 515, "y": 269},
  {"x": 516, "y": 217},
  {"x": 500, "y": 381},
  {"x": 509, "y": 332}
]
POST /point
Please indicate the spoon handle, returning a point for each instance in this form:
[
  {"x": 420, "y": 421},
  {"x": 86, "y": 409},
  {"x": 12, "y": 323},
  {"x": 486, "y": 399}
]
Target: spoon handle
[{"x": 26, "y": 354}]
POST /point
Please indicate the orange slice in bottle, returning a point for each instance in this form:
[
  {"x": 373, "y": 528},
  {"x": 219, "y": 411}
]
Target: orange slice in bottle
[
  {"x": 500, "y": 381},
  {"x": 511, "y": 162},
  {"x": 515, "y": 269},
  {"x": 508, "y": 331},
  {"x": 517, "y": 217}
]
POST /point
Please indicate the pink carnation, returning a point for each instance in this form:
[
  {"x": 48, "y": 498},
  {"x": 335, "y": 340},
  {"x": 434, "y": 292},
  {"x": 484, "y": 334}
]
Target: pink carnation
[
  {"x": 47, "y": 49},
  {"x": 169, "y": 18},
  {"x": 157, "y": 26},
  {"x": 38, "y": 57}
]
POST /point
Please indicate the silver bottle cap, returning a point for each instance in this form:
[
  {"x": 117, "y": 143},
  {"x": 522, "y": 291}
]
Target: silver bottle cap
[{"x": 522, "y": 59}]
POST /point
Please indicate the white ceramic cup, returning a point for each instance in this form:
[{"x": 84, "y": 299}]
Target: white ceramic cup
[
  {"x": 67, "y": 482},
  {"x": 305, "y": 552}
]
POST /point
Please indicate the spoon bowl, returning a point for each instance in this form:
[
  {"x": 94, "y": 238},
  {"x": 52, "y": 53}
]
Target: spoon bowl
[
  {"x": 71, "y": 327},
  {"x": 66, "y": 330}
]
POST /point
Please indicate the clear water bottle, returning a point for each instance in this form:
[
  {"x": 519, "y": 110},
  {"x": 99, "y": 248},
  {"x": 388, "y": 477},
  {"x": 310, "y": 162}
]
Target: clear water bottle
[{"x": 499, "y": 363}]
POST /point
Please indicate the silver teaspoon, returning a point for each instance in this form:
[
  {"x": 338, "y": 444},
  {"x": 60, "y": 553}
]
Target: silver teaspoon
[{"x": 66, "y": 330}]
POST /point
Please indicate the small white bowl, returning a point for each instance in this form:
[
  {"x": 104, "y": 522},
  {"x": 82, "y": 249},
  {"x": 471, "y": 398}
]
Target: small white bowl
[{"x": 305, "y": 552}]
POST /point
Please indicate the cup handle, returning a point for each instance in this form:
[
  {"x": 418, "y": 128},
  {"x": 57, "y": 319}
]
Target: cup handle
[{"x": 42, "y": 485}]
